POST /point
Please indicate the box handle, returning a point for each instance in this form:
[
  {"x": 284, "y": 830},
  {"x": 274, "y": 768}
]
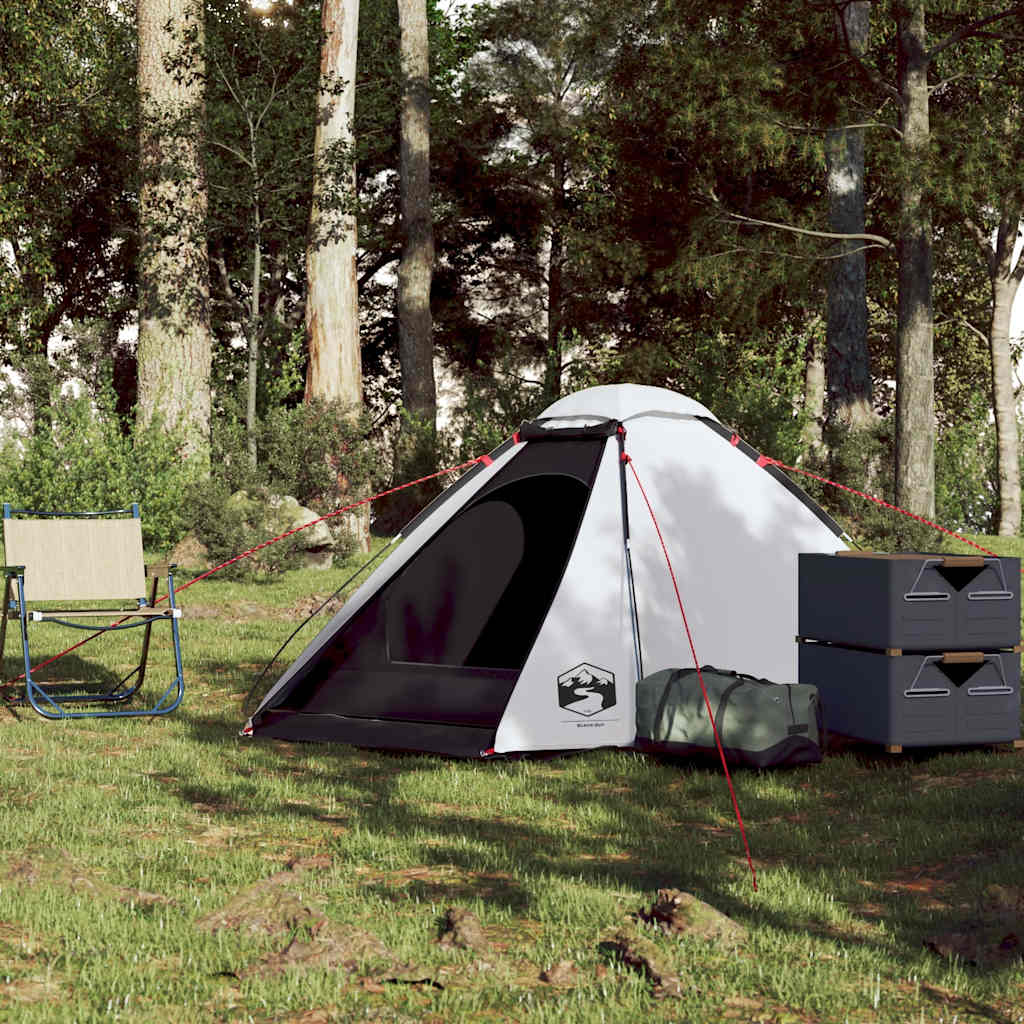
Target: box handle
[
  {"x": 926, "y": 595},
  {"x": 992, "y": 595},
  {"x": 929, "y": 691}
]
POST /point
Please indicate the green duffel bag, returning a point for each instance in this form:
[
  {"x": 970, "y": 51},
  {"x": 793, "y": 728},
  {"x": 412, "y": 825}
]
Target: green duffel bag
[{"x": 760, "y": 723}]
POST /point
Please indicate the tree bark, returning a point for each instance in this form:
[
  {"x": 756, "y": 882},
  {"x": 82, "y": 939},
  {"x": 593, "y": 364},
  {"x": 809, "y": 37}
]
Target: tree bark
[
  {"x": 1005, "y": 275},
  {"x": 915, "y": 384},
  {"x": 334, "y": 372},
  {"x": 415, "y": 328},
  {"x": 252, "y": 372},
  {"x": 848, "y": 362},
  {"x": 814, "y": 396},
  {"x": 174, "y": 348},
  {"x": 555, "y": 299}
]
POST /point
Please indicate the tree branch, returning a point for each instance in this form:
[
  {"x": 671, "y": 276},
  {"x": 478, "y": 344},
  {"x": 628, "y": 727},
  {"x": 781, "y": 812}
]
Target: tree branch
[
  {"x": 747, "y": 251},
  {"x": 238, "y": 154},
  {"x": 971, "y": 30},
  {"x": 960, "y": 322},
  {"x": 878, "y": 241},
  {"x": 814, "y": 129}
]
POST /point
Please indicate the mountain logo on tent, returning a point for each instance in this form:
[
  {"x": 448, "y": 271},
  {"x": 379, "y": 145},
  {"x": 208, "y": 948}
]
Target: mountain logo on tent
[{"x": 586, "y": 690}]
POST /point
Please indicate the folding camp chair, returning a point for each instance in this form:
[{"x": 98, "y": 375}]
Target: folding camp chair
[{"x": 82, "y": 560}]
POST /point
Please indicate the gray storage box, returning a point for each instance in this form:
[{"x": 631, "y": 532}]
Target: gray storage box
[
  {"x": 910, "y": 602},
  {"x": 916, "y": 700}
]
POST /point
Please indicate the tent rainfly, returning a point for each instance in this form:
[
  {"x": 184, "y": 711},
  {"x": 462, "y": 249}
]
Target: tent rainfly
[{"x": 524, "y": 603}]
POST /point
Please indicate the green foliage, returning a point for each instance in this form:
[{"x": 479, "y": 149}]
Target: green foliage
[
  {"x": 86, "y": 463},
  {"x": 494, "y": 403},
  {"x": 67, "y": 149},
  {"x": 313, "y": 452},
  {"x": 966, "y": 498},
  {"x": 755, "y": 386},
  {"x": 260, "y": 122},
  {"x": 229, "y": 523}
]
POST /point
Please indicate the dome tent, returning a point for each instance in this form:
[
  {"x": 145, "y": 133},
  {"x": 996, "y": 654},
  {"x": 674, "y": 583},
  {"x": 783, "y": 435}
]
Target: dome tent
[{"x": 525, "y": 602}]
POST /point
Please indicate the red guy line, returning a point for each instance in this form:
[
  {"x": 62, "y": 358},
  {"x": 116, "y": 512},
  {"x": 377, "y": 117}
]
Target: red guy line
[
  {"x": 766, "y": 460},
  {"x": 700, "y": 678}
]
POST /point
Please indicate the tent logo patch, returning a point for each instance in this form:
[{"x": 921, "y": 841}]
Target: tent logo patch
[{"x": 586, "y": 690}]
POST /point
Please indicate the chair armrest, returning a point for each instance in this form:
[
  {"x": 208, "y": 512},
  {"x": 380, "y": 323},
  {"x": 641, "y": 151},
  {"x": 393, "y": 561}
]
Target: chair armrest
[{"x": 11, "y": 570}]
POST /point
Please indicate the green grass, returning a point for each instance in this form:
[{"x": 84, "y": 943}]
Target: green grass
[{"x": 119, "y": 837}]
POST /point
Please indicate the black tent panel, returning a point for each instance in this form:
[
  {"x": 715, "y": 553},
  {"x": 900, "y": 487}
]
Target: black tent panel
[
  {"x": 439, "y": 605},
  {"x": 441, "y": 644},
  {"x": 384, "y": 735}
]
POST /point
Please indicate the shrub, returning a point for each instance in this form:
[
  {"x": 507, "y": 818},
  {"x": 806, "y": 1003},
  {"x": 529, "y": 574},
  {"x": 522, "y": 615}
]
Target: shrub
[
  {"x": 314, "y": 453},
  {"x": 85, "y": 462},
  {"x": 229, "y": 522}
]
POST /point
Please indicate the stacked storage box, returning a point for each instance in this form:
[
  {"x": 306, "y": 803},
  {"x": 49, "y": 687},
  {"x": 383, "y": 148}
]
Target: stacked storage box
[{"x": 912, "y": 649}]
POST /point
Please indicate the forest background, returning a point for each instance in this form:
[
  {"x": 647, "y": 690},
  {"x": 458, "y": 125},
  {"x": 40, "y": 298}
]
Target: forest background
[{"x": 253, "y": 232}]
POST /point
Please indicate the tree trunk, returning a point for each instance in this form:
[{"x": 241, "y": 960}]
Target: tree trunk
[
  {"x": 848, "y": 363},
  {"x": 915, "y": 384},
  {"x": 174, "y": 348},
  {"x": 415, "y": 341},
  {"x": 556, "y": 260},
  {"x": 1006, "y": 277},
  {"x": 814, "y": 396},
  {"x": 252, "y": 374},
  {"x": 332, "y": 306}
]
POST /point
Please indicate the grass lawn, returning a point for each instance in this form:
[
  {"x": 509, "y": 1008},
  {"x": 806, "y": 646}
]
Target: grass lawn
[{"x": 169, "y": 870}]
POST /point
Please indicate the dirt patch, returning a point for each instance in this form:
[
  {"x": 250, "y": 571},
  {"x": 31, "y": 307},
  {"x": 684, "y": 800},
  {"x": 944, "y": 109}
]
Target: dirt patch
[
  {"x": 236, "y": 612},
  {"x": 308, "y": 606},
  {"x": 307, "y": 938},
  {"x": 35, "y": 988},
  {"x": 681, "y": 914},
  {"x": 55, "y": 868},
  {"x": 461, "y": 929},
  {"x": 642, "y": 955},
  {"x": 269, "y": 906},
  {"x": 993, "y": 936},
  {"x": 564, "y": 974},
  {"x": 446, "y": 881},
  {"x": 325, "y": 946}
]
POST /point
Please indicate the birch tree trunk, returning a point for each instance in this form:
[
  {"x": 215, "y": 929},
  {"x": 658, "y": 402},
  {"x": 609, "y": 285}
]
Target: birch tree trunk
[
  {"x": 174, "y": 348},
  {"x": 915, "y": 383},
  {"x": 848, "y": 364},
  {"x": 1005, "y": 275},
  {"x": 334, "y": 372}
]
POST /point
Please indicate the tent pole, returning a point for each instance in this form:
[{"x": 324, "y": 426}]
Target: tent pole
[{"x": 634, "y": 618}]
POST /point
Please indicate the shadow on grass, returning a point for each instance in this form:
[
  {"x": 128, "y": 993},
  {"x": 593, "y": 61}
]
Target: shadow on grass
[{"x": 861, "y": 828}]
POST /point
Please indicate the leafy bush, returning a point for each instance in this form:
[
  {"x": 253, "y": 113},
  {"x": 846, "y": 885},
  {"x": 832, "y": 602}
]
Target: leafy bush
[
  {"x": 313, "y": 453},
  {"x": 966, "y": 492},
  {"x": 84, "y": 462},
  {"x": 865, "y": 460},
  {"x": 229, "y": 523}
]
